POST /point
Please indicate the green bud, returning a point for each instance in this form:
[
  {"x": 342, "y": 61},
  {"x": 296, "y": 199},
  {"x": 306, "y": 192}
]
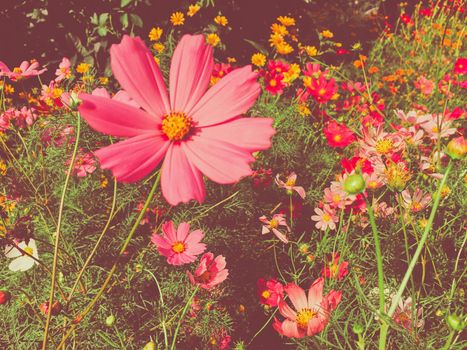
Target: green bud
[
  {"x": 109, "y": 321},
  {"x": 354, "y": 184},
  {"x": 455, "y": 322},
  {"x": 357, "y": 328},
  {"x": 457, "y": 148}
]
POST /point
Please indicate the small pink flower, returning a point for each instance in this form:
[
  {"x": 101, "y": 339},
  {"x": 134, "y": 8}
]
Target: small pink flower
[
  {"x": 210, "y": 272},
  {"x": 64, "y": 70},
  {"x": 24, "y": 117},
  {"x": 335, "y": 268},
  {"x": 270, "y": 292},
  {"x": 311, "y": 313},
  {"x": 415, "y": 202},
  {"x": 336, "y": 198},
  {"x": 84, "y": 164},
  {"x": 460, "y": 67},
  {"x": 179, "y": 247},
  {"x": 326, "y": 218},
  {"x": 25, "y": 70},
  {"x": 289, "y": 184},
  {"x": 425, "y": 85},
  {"x": 407, "y": 317},
  {"x": 272, "y": 225},
  {"x": 5, "y": 118}
]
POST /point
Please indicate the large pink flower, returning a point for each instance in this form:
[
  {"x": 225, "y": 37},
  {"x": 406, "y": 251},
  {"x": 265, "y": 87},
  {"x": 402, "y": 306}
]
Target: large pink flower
[
  {"x": 195, "y": 131},
  {"x": 180, "y": 247},
  {"x": 312, "y": 312}
]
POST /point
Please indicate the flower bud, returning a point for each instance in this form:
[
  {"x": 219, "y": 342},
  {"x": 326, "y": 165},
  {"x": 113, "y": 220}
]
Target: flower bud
[
  {"x": 110, "y": 320},
  {"x": 354, "y": 184},
  {"x": 357, "y": 328},
  {"x": 150, "y": 346},
  {"x": 455, "y": 322},
  {"x": 457, "y": 148},
  {"x": 4, "y": 297},
  {"x": 56, "y": 308}
]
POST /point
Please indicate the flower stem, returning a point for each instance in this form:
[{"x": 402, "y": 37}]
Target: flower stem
[
  {"x": 174, "y": 341},
  {"x": 408, "y": 274},
  {"x": 89, "y": 307},
  {"x": 57, "y": 233}
]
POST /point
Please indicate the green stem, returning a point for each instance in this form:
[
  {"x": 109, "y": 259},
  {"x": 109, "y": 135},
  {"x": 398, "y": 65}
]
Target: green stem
[
  {"x": 162, "y": 309},
  {"x": 188, "y": 303},
  {"x": 421, "y": 243},
  {"x": 57, "y": 233},
  {"x": 89, "y": 307}
]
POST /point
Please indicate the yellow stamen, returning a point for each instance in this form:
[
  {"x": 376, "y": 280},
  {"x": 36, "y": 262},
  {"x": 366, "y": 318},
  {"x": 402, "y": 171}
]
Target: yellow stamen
[
  {"x": 176, "y": 125},
  {"x": 384, "y": 146},
  {"x": 266, "y": 294},
  {"x": 178, "y": 247},
  {"x": 304, "y": 316},
  {"x": 28, "y": 250}
]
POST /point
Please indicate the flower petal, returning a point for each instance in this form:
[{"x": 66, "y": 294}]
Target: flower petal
[
  {"x": 181, "y": 181},
  {"x": 297, "y": 296},
  {"x": 315, "y": 293},
  {"x": 287, "y": 311},
  {"x": 132, "y": 159},
  {"x": 232, "y": 96},
  {"x": 135, "y": 69},
  {"x": 194, "y": 237},
  {"x": 190, "y": 72},
  {"x": 115, "y": 118},
  {"x": 290, "y": 329},
  {"x": 169, "y": 231},
  {"x": 182, "y": 231}
]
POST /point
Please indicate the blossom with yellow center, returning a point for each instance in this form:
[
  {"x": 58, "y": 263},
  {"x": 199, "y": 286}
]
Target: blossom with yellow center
[
  {"x": 103, "y": 80},
  {"x": 327, "y": 34},
  {"x": 279, "y": 29},
  {"x": 83, "y": 68},
  {"x": 286, "y": 21},
  {"x": 292, "y": 74},
  {"x": 397, "y": 176},
  {"x": 326, "y": 217},
  {"x": 2, "y": 167},
  {"x": 192, "y": 10},
  {"x": 384, "y": 146},
  {"x": 28, "y": 250},
  {"x": 275, "y": 39},
  {"x": 159, "y": 47},
  {"x": 258, "y": 59},
  {"x": 213, "y": 39},
  {"x": 273, "y": 223},
  {"x": 311, "y": 50},
  {"x": 221, "y": 20},
  {"x": 176, "y": 125},
  {"x": 284, "y": 48},
  {"x": 8, "y": 89},
  {"x": 304, "y": 316},
  {"x": 266, "y": 294},
  {"x": 445, "y": 191},
  {"x": 177, "y": 18},
  {"x": 178, "y": 247},
  {"x": 303, "y": 110},
  {"x": 155, "y": 33}
]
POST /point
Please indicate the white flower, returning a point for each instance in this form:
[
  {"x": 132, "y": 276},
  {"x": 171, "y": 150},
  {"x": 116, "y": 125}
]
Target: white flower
[{"x": 21, "y": 261}]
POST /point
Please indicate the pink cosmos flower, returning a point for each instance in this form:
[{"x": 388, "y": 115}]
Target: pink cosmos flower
[
  {"x": 289, "y": 185},
  {"x": 338, "y": 135},
  {"x": 24, "y": 117},
  {"x": 425, "y": 85},
  {"x": 64, "y": 70},
  {"x": 415, "y": 202},
  {"x": 438, "y": 127},
  {"x": 180, "y": 246},
  {"x": 270, "y": 292},
  {"x": 121, "y": 96},
  {"x": 25, "y": 70},
  {"x": 460, "y": 67},
  {"x": 194, "y": 131},
  {"x": 335, "y": 268},
  {"x": 407, "y": 317},
  {"x": 381, "y": 143},
  {"x": 272, "y": 225},
  {"x": 311, "y": 313},
  {"x": 5, "y": 118},
  {"x": 326, "y": 218},
  {"x": 336, "y": 198},
  {"x": 210, "y": 272},
  {"x": 84, "y": 164}
]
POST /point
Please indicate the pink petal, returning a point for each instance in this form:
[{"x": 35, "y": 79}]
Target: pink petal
[
  {"x": 169, "y": 231},
  {"x": 194, "y": 237},
  {"x": 232, "y": 96},
  {"x": 134, "y": 158},
  {"x": 280, "y": 235},
  {"x": 300, "y": 190},
  {"x": 251, "y": 134},
  {"x": 290, "y": 329},
  {"x": 115, "y": 118},
  {"x": 287, "y": 311},
  {"x": 316, "y": 325},
  {"x": 190, "y": 72},
  {"x": 182, "y": 231},
  {"x": 135, "y": 69},
  {"x": 195, "y": 248},
  {"x": 3, "y": 67},
  {"x": 220, "y": 161},
  {"x": 297, "y": 296},
  {"x": 219, "y": 262},
  {"x": 160, "y": 241},
  {"x": 315, "y": 293},
  {"x": 181, "y": 181}
]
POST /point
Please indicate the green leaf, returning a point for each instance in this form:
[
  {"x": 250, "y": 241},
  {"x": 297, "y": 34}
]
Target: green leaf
[
  {"x": 124, "y": 20},
  {"x": 136, "y": 20},
  {"x": 102, "y": 31},
  {"x": 94, "y": 19},
  {"x": 124, "y": 3},
  {"x": 103, "y": 18}
]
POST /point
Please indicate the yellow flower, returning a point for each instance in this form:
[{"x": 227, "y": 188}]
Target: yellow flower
[
  {"x": 192, "y": 10},
  {"x": 231, "y": 59},
  {"x": 303, "y": 110},
  {"x": 103, "y": 80},
  {"x": 88, "y": 79},
  {"x": 275, "y": 39},
  {"x": 213, "y": 39},
  {"x": 156, "y": 59},
  {"x": 159, "y": 47},
  {"x": 286, "y": 21},
  {"x": 258, "y": 59},
  {"x": 284, "y": 48},
  {"x": 311, "y": 50},
  {"x": 292, "y": 74},
  {"x": 221, "y": 20},
  {"x": 83, "y": 68},
  {"x": 2, "y": 167},
  {"x": 327, "y": 34},
  {"x": 177, "y": 19},
  {"x": 279, "y": 29},
  {"x": 9, "y": 89},
  {"x": 104, "y": 181},
  {"x": 155, "y": 33}
]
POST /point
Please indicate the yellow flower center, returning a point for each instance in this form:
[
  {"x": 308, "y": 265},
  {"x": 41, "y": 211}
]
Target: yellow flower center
[
  {"x": 337, "y": 138},
  {"x": 304, "y": 316},
  {"x": 290, "y": 182},
  {"x": 384, "y": 146},
  {"x": 322, "y": 91},
  {"x": 266, "y": 294},
  {"x": 28, "y": 250},
  {"x": 273, "y": 82},
  {"x": 176, "y": 125},
  {"x": 334, "y": 269},
  {"x": 17, "y": 70},
  {"x": 416, "y": 206},
  {"x": 273, "y": 223},
  {"x": 336, "y": 198},
  {"x": 178, "y": 247},
  {"x": 326, "y": 217}
]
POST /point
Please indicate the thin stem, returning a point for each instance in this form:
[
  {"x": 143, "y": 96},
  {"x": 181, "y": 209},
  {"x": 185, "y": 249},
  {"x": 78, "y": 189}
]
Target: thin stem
[
  {"x": 161, "y": 297},
  {"x": 174, "y": 341},
  {"x": 57, "y": 233}
]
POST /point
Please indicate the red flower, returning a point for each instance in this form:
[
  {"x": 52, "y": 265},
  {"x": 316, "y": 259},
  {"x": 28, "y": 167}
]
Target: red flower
[
  {"x": 335, "y": 269},
  {"x": 338, "y": 135},
  {"x": 270, "y": 292},
  {"x": 460, "y": 67},
  {"x": 322, "y": 89},
  {"x": 363, "y": 164}
]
